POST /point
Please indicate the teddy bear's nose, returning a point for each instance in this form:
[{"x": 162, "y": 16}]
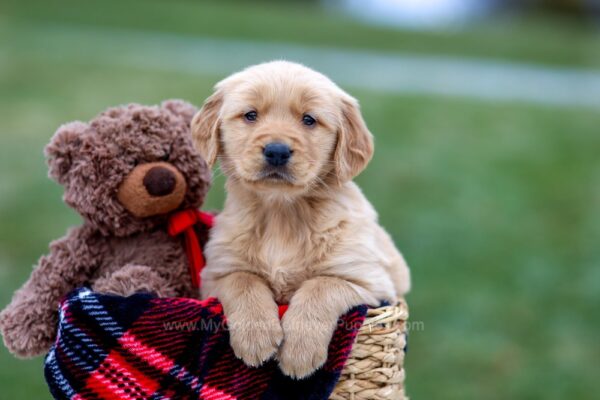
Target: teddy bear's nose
[{"x": 160, "y": 181}]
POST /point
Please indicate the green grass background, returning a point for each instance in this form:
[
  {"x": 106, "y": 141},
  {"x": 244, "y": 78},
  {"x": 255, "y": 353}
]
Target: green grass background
[{"x": 495, "y": 205}]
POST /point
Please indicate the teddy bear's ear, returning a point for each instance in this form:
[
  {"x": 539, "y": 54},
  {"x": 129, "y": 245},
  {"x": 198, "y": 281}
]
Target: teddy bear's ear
[
  {"x": 180, "y": 108},
  {"x": 63, "y": 148}
]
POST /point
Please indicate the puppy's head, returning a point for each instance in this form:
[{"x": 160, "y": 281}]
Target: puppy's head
[{"x": 283, "y": 127}]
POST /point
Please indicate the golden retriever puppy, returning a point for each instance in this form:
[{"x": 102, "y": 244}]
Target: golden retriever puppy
[{"x": 295, "y": 228}]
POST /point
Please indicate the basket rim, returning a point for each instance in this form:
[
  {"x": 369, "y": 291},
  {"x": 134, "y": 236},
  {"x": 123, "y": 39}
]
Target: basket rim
[{"x": 378, "y": 316}]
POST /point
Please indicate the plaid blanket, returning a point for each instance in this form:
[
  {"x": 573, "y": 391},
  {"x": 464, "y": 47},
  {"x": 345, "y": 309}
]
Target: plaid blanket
[{"x": 143, "y": 347}]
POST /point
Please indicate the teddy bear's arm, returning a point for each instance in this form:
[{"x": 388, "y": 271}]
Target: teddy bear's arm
[{"x": 28, "y": 324}]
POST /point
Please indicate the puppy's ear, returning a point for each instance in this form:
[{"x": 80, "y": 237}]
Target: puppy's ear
[
  {"x": 205, "y": 128},
  {"x": 354, "y": 147}
]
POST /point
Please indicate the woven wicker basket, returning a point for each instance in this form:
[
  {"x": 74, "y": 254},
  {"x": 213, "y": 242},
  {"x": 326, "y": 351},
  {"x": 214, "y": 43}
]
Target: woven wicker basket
[{"x": 375, "y": 368}]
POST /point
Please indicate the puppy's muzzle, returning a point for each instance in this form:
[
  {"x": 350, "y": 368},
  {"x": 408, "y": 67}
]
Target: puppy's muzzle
[{"x": 277, "y": 154}]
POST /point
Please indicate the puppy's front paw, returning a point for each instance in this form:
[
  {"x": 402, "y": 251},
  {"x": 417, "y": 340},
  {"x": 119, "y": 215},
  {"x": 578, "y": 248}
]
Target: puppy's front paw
[
  {"x": 254, "y": 339},
  {"x": 304, "y": 347}
]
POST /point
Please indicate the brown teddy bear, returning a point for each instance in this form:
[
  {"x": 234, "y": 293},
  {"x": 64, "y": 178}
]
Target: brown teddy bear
[{"x": 126, "y": 172}]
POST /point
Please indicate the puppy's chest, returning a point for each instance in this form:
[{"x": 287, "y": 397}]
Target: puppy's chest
[
  {"x": 289, "y": 256},
  {"x": 282, "y": 264},
  {"x": 278, "y": 252}
]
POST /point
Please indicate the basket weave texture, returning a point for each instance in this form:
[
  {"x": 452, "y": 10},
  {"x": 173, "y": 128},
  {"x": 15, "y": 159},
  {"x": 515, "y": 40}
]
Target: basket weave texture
[{"x": 375, "y": 368}]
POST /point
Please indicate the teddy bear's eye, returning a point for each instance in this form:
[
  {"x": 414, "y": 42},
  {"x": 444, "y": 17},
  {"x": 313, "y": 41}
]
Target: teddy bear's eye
[{"x": 165, "y": 157}]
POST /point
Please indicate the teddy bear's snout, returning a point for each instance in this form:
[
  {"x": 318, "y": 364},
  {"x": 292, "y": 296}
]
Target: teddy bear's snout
[{"x": 152, "y": 189}]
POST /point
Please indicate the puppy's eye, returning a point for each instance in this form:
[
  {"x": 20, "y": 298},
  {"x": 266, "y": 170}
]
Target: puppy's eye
[
  {"x": 251, "y": 116},
  {"x": 308, "y": 120}
]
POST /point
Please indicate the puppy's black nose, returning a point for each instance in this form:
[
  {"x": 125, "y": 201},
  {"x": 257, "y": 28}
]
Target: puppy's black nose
[
  {"x": 160, "y": 181},
  {"x": 277, "y": 154}
]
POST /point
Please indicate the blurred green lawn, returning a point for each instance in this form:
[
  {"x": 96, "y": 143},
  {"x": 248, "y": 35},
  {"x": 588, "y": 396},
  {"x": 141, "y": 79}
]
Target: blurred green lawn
[{"x": 495, "y": 205}]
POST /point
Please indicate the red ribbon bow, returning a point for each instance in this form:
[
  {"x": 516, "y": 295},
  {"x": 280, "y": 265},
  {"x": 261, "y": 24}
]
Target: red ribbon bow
[{"x": 183, "y": 222}]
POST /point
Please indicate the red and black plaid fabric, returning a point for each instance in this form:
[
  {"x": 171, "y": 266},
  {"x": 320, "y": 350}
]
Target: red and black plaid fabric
[{"x": 143, "y": 347}]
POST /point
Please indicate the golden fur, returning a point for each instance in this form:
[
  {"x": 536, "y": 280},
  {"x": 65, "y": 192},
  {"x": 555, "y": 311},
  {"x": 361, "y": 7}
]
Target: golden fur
[{"x": 311, "y": 238}]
